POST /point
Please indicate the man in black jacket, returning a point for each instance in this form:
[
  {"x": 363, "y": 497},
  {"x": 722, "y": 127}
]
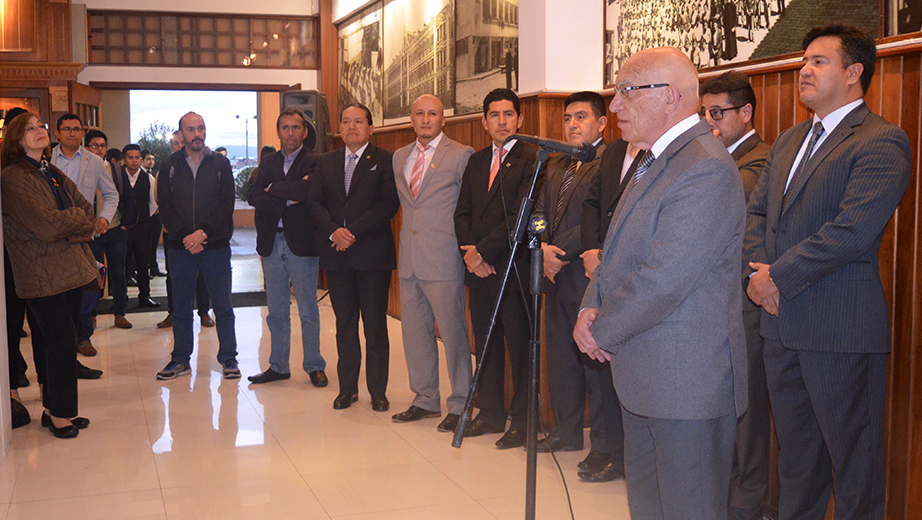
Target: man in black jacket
[
  {"x": 286, "y": 241},
  {"x": 196, "y": 196},
  {"x": 352, "y": 199},
  {"x": 139, "y": 234}
]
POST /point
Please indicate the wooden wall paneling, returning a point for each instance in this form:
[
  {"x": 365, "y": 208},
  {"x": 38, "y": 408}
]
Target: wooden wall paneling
[
  {"x": 887, "y": 85},
  {"x": 790, "y": 110},
  {"x": 60, "y": 44},
  {"x": 773, "y": 107}
]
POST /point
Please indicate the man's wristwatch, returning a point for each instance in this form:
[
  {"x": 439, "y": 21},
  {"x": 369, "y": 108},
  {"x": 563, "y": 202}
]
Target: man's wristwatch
[{"x": 204, "y": 236}]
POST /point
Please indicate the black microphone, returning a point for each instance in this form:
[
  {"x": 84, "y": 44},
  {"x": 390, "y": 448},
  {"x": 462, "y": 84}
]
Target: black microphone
[{"x": 583, "y": 152}]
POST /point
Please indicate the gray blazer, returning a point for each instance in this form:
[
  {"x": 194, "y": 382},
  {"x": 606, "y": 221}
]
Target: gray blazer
[
  {"x": 95, "y": 176},
  {"x": 668, "y": 286},
  {"x": 428, "y": 245},
  {"x": 823, "y": 247}
]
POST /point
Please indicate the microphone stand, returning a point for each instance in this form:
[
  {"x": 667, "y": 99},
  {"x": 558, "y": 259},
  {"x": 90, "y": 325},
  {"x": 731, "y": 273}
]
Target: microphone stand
[{"x": 531, "y": 441}]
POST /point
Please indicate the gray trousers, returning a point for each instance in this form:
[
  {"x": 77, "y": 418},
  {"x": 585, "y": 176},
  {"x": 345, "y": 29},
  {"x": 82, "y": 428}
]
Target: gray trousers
[
  {"x": 678, "y": 469},
  {"x": 422, "y": 305}
]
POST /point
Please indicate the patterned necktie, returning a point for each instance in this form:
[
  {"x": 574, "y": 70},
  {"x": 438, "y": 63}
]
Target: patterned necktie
[
  {"x": 645, "y": 163},
  {"x": 564, "y": 187},
  {"x": 494, "y": 169},
  {"x": 416, "y": 179},
  {"x": 818, "y": 132},
  {"x": 350, "y": 169}
]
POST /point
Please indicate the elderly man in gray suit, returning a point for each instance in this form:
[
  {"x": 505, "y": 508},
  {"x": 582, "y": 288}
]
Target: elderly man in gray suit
[
  {"x": 665, "y": 304},
  {"x": 813, "y": 235},
  {"x": 428, "y": 175}
]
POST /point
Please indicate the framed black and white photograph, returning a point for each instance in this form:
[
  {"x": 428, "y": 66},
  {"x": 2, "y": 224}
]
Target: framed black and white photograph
[
  {"x": 720, "y": 32},
  {"x": 418, "y": 48},
  {"x": 361, "y": 61},
  {"x": 486, "y": 50}
]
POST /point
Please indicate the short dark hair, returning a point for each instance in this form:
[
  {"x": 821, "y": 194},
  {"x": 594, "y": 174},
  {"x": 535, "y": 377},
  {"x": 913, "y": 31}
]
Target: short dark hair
[
  {"x": 12, "y": 113},
  {"x": 293, "y": 112},
  {"x": 11, "y": 150},
  {"x": 501, "y": 94},
  {"x": 735, "y": 85},
  {"x": 145, "y": 152},
  {"x": 130, "y": 147},
  {"x": 857, "y": 46},
  {"x": 114, "y": 153},
  {"x": 358, "y": 105},
  {"x": 68, "y": 117},
  {"x": 93, "y": 134},
  {"x": 595, "y": 100}
]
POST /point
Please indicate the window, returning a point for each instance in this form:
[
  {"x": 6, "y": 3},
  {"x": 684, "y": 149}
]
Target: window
[{"x": 201, "y": 40}]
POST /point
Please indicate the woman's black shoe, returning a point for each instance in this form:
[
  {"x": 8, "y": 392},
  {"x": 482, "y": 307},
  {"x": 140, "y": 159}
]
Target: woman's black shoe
[{"x": 79, "y": 422}]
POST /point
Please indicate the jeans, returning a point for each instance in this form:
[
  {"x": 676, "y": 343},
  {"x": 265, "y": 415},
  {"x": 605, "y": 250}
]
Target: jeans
[
  {"x": 113, "y": 245},
  {"x": 279, "y": 268},
  {"x": 215, "y": 267}
]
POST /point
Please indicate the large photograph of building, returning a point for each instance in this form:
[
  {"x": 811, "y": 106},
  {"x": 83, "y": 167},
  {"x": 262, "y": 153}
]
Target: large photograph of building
[
  {"x": 717, "y": 32},
  {"x": 486, "y": 50},
  {"x": 418, "y": 50},
  {"x": 361, "y": 62}
]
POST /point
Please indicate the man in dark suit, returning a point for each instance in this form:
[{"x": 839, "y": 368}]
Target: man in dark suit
[
  {"x": 287, "y": 242},
  {"x": 494, "y": 183},
  {"x": 814, "y": 228},
  {"x": 665, "y": 304},
  {"x": 139, "y": 234},
  {"x": 352, "y": 199},
  {"x": 728, "y": 102},
  {"x": 570, "y": 373}
]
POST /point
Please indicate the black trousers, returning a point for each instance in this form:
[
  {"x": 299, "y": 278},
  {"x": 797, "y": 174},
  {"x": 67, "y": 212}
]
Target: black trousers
[
  {"x": 511, "y": 324},
  {"x": 58, "y": 317},
  {"x": 16, "y": 310},
  {"x": 139, "y": 251},
  {"x": 365, "y": 293},
  {"x": 571, "y": 376},
  {"x": 202, "y": 298}
]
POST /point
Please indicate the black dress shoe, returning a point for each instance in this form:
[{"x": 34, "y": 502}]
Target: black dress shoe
[
  {"x": 595, "y": 461},
  {"x": 85, "y": 372},
  {"x": 80, "y": 422},
  {"x": 608, "y": 473},
  {"x": 319, "y": 378},
  {"x": 147, "y": 302},
  {"x": 415, "y": 413},
  {"x": 379, "y": 403},
  {"x": 513, "y": 438},
  {"x": 131, "y": 282},
  {"x": 553, "y": 443},
  {"x": 449, "y": 423},
  {"x": 268, "y": 376},
  {"x": 478, "y": 427},
  {"x": 344, "y": 401}
]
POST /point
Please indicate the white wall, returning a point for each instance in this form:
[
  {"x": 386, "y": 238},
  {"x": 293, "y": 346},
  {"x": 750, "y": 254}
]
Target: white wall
[
  {"x": 343, "y": 8},
  {"x": 560, "y": 45}
]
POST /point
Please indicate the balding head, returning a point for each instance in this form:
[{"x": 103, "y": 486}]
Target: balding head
[
  {"x": 427, "y": 115},
  {"x": 644, "y": 115}
]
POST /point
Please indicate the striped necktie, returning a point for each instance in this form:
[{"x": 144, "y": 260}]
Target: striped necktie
[
  {"x": 818, "y": 132},
  {"x": 350, "y": 169},
  {"x": 645, "y": 163},
  {"x": 416, "y": 179},
  {"x": 568, "y": 177}
]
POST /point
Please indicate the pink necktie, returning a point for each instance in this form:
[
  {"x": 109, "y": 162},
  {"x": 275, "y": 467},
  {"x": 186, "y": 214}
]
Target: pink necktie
[
  {"x": 495, "y": 168},
  {"x": 416, "y": 179}
]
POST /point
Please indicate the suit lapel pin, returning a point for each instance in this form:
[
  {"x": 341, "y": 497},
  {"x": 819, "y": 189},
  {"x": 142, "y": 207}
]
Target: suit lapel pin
[
  {"x": 368, "y": 157},
  {"x": 508, "y": 165}
]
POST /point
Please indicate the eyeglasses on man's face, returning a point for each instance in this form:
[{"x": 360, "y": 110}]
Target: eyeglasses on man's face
[
  {"x": 717, "y": 113},
  {"x": 625, "y": 90}
]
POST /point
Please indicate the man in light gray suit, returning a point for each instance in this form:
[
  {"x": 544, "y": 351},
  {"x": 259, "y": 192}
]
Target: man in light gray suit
[
  {"x": 428, "y": 175},
  {"x": 665, "y": 304},
  {"x": 813, "y": 235}
]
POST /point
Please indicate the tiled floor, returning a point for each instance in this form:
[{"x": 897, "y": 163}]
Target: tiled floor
[{"x": 201, "y": 447}]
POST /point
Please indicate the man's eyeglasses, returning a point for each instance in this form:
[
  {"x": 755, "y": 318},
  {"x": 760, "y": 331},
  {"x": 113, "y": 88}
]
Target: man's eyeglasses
[
  {"x": 96, "y": 146},
  {"x": 625, "y": 91},
  {"x": 717, "y": 113},
  {"x": 70, "y": 130}
]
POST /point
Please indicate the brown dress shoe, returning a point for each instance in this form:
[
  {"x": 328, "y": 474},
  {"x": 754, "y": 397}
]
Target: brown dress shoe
[
  {"x": 207, "y": 321},
  {"x": 122, "y": 323},
  {"x": 166, "y": 323},
  {"x": 86, "y": 348}
]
